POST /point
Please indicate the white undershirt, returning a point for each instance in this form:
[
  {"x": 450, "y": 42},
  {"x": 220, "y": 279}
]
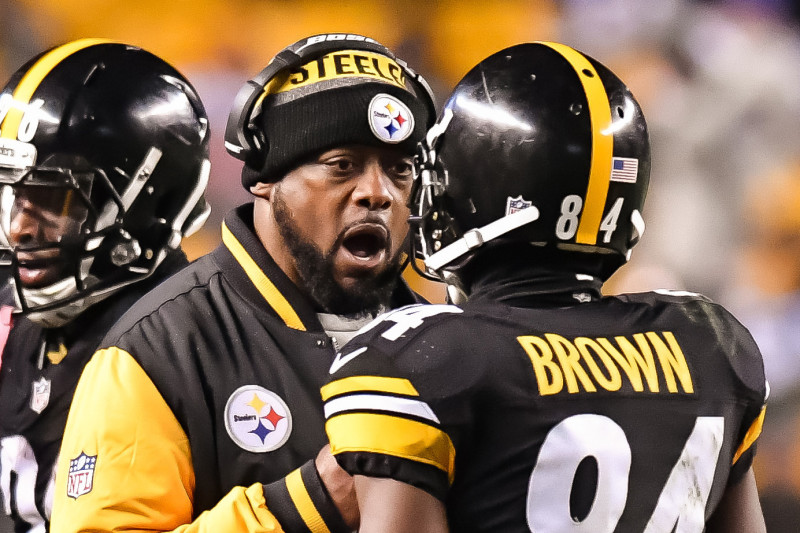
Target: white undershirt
[{"x": 342, "y": 328}]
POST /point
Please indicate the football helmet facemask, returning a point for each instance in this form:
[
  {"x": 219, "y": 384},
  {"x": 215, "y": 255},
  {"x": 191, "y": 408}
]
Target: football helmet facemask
[
  {"x": 538, "y": 144},
  {"x": 103, "y": 166}
]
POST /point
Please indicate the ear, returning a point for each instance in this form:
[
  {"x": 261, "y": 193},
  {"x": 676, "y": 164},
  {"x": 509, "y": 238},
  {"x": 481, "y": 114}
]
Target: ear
[{"x": 263, "y": 190}]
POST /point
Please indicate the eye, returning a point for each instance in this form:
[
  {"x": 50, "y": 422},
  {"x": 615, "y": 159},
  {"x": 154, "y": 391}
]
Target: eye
[
  {"x": 340, "y": 165},
  {"x": 402, "y": 169}
]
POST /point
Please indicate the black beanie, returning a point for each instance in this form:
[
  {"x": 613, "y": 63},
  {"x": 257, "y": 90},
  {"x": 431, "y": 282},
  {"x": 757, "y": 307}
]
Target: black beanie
[{"x": 302, "y": 122}]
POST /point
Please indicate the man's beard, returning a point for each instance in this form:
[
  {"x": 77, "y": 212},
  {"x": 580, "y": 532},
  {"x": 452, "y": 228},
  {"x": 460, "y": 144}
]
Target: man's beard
[{"x": 316, "y": 270}]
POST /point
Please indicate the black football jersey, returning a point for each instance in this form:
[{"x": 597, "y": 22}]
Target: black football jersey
[
  {"x": 39, "y": 370},
  {"x": 622, "y": 414}
]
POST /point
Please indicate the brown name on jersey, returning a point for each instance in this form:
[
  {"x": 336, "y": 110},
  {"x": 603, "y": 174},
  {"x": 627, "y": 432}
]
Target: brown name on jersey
[{"x": 584, "y": 364}]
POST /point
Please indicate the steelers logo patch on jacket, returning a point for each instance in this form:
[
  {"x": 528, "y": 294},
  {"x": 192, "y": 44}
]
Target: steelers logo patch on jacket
[{"x": 257, "y": 419}]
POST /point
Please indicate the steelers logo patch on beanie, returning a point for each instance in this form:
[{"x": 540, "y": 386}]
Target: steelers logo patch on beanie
[
  {"x": 343, "y": 98},
  {"x": 390, "y": 119}
]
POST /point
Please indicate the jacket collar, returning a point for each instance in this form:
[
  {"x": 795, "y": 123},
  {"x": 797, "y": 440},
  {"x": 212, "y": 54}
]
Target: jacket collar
[{"x": 256, "y": 276}]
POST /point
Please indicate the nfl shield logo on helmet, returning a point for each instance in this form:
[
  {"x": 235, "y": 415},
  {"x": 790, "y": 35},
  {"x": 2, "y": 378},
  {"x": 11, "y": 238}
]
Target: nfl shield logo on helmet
[
  {"x": 81, "y": 475},
  {"x": 40, "y": 395},
  {"x": 516, "y": 204}
]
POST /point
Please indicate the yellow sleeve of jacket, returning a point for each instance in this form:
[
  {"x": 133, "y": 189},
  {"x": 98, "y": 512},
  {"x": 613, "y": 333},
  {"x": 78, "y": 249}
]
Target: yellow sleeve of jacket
[{"x": 142, "y": 479}]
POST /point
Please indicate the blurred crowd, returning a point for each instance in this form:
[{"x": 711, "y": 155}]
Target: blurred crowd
[{"x": 718, "y": 81}]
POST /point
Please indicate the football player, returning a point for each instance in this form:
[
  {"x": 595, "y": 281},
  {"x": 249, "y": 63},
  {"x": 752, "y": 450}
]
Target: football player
[
  {"x": 201, "y": 409},
  {"x": 540, "y": 404},
  {"x": 104, "y": 164}
]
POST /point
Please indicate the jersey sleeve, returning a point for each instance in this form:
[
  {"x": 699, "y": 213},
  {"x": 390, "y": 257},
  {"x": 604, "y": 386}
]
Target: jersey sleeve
[
  {"x": 378, "y": 421},
  {"x": 379, "y": 426},
  {"x": 125, "y": 462},
  {"x": 745, "y": 453},
  {"x": 747, "y": 364},
  {"x": 747, "y": 443},
  {"x": 386, "y": 402}
]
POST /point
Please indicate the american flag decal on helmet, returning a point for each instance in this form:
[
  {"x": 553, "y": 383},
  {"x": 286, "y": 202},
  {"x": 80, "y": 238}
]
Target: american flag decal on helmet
[{"x": 624, "y": 169}]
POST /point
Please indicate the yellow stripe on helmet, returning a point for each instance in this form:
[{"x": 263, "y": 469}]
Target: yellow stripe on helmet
[
  {"x": 602, "y": 143},
  {"x": 33, "y": 78}
]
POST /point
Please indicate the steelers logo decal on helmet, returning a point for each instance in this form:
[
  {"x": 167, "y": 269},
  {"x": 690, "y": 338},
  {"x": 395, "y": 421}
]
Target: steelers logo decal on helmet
[
  {"x": 390, "y": 119},
  {"x": 257, "y": 420}
]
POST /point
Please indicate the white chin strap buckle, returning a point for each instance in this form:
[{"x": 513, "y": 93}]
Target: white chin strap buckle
[
  {"x": 473, "y": 239},
  {"x": 477, "y": 237}
]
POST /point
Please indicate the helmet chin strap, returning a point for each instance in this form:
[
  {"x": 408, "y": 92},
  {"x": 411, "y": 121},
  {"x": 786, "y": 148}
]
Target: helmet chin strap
[
  {"x": 57, "y": 317},
  {"x": 178, "y": 231},
  {"x": 455, "y": 294},
  {"x": 475, "y": 238}
]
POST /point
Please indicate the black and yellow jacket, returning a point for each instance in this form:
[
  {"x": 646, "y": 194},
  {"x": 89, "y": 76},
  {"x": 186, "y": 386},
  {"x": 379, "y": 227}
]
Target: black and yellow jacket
[{"x": 206, "y": 390}]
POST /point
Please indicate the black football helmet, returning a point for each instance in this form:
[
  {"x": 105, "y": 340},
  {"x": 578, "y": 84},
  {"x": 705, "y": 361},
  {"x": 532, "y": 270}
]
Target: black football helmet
[
  {"x": 537, "y": 144},
  {"x": 115, "y": 141}
]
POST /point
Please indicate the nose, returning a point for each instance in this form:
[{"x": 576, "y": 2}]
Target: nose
[{"x": 374, "y": 188}]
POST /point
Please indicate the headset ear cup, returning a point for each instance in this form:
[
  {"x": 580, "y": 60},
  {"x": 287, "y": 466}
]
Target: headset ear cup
[
  {"x": 237, "y": 130},
  {"x": 259, "y": 147},
  {"x": 426, "y": 93}
]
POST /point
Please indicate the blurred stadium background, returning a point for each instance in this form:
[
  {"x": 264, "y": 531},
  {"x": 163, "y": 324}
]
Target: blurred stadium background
[{"x": 718, "y": 80}]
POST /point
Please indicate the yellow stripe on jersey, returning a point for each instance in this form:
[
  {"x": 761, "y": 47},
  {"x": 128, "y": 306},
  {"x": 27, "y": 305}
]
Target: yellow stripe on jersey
[
  {"x": 340, "y": 65},
  {"x": 389, "y": 435},
  {"x": 751, "y": 436},
  {"x": 268, "y": 290},
  {"x": 33, "y": 78},
  {"x": 602, "y": 143},
  {"x": 304, "y": 504},
  {"x": 368, "y": 384}
]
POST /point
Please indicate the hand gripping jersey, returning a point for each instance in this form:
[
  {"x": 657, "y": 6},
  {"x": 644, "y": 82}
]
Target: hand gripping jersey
[
  {"x": 39, "y": 371},
  {"x": 206, "y": 390},
  {"x": 623, "y": 414}
]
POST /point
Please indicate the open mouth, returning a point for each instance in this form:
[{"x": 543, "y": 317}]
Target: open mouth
[
  {"x": 366, "y": 243},
  {"x": 36, "y": 269}
]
